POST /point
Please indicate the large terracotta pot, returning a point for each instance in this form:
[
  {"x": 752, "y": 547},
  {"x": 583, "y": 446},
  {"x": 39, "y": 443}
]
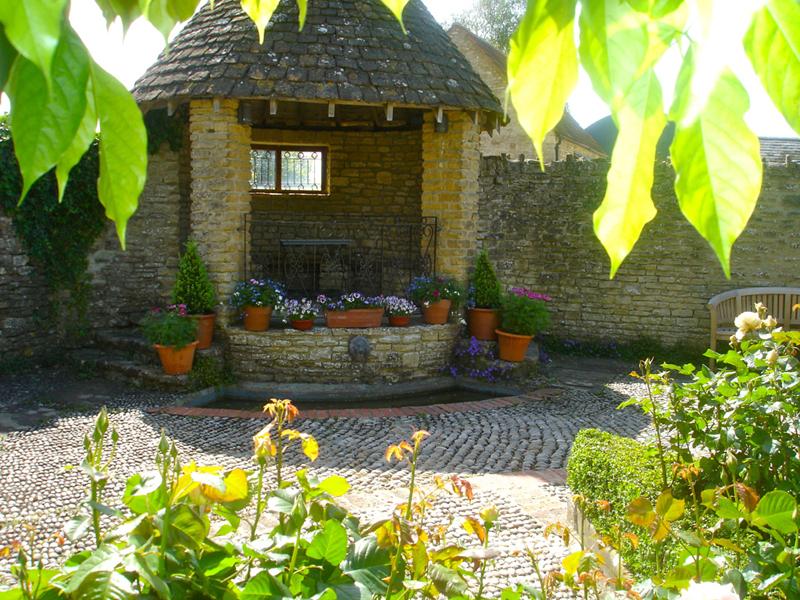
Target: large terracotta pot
[
  {"x": 355, "y": 318},
  {"x": 437, "y": 313},
  {"x": 302, "y": 324},
  {"x": 176, "y": 361},
  {"x": 399, "y": 320},
  {"x": 205, "y": 330},
  {"x": 256, "y": 318},
  {"x": 482, "y": 322},
  {"x": 511, "y": 347}
]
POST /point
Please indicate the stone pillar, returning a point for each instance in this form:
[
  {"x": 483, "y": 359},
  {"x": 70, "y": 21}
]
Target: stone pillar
[
  {"x": 451, "y": 164},
  {"x": 220, "y": 155}
]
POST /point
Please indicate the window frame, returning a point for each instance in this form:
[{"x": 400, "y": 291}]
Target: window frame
[{"x": 279, "y": 149}]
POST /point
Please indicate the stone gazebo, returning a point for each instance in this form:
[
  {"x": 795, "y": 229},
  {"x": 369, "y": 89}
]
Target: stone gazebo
[{"x": 337, "y": 158}]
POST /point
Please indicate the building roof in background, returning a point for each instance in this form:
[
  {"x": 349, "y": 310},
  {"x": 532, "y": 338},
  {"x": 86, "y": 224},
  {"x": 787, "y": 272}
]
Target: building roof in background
[
  {"x": 774, "y": 151},
  {"x": 568, "y": 128},
  {"x": 349, "y": 50}
]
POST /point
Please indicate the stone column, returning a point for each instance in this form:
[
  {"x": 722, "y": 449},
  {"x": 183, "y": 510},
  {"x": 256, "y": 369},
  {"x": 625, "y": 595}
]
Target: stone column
[
  {"x": 220, "y": 156},
  {"x": 451, "y": 164}
]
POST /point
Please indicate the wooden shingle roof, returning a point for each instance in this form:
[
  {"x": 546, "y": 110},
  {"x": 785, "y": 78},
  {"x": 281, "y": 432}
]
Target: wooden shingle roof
[{"x": 349, "y": 51}]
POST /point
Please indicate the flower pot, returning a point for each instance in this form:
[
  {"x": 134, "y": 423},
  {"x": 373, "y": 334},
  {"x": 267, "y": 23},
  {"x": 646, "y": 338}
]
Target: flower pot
[
  {"x": 399, "y": 320},
  {"x": 511, "y": 347},
  {"x": 256, "y": 318},
  {"x": 355, "y": 318},
  {"x": 176, "y": 361},
  {"x": 205, "y": 330},
  {"x": 302, "y": 324},
  {"x": 482, "y": 322},
  {"x": 437, "y": 313}
]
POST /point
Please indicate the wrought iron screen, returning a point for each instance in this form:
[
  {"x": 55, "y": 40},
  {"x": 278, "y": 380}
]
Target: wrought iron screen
[
  {"x": 335, "y": 254},
  {"x": 291, "y": 170}
]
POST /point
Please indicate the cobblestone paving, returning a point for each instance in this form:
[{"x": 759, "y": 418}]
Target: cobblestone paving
[{"x": 37, "y": 493}]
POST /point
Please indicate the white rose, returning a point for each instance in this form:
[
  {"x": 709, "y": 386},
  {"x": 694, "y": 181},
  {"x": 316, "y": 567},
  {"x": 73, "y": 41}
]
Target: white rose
[
  {"x": 747, "y": 322},
  {"x": 709, "y": 590}
]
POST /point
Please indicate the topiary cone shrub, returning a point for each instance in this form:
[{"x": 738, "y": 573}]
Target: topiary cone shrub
[
  {"x": 194, "y": 289},
  {"x": 485, "y": 299}
]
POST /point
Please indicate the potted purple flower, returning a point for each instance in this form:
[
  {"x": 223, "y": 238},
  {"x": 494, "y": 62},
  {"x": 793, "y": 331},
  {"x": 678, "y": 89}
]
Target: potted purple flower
[
  {"x": 257, "y": 298},
  {"x": 300, "y": 313},
  {"x": 436, "y": 296},
  {"x": 354, "y": 310},
  {"x": 399, "y": 310}
]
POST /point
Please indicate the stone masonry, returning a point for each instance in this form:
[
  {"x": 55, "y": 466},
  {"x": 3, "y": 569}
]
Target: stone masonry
[
  {"x": 220, "y": 152},
  {"x": 322, "y": 355},
  {"x": 450, "y": 189},
  {"x": 537, "y": 228}
]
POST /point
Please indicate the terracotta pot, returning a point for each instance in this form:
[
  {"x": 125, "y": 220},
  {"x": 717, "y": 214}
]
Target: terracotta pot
[
  {"x": 511, "y": 347},
  {"x": 437, "y": 313},
  {"x": 302, "y": 324},
  {"x": 205, "y": 330},
  {"x": 399, "y": 320},
  {"x": 482, "y": 322},
  {"x": 176, "y": 361},
  {"x": 256, "y": 318},
  {"x": 356, "y": 318}
]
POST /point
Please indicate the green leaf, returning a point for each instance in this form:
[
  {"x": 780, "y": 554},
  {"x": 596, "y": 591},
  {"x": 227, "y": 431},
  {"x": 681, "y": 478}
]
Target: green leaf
[
  {"x": 334, "y": 485},
  {"x": 448, "y": 581},
  {"x": 8, "y": 55},
  {"x": 619, "y": 45},
  {"x": 105, "y": 558},
  {"x": 34, "y": 28},
  {"x": 628, "y": 205},
  {"x": 127, "y": 10},
  {"x": 668, "y": 508},
  {"x": 397, "y": 7},
  {"x": 123, "y": 149},
  {"x": 44, "y": 123},
  {"x": 543, "y": 67},
  {"x": 106, "y": 585},
  {"x": 181, "y": 10},
  {"x": 77, "y": 527},
  {"x": 302, "y": 7},
  {"x": 159, "y": 14},
  {"x": 773, "y": 45},
  {"x": 80, "y": 143},
  {"x": 146, "y": 567},
  {"x": 368, "y": 564},
  {"x": 656, "y": 8},
  {"x": 144, "y": 493},
  {"x": 777, "y": 509},
  {"x": 330, "y": 544},
  {"x": 260, "y": 11},
  {"x": 717, "y": 162},
  {"x": 187, "y": 526},
  {"x": 264, "y": 587}
]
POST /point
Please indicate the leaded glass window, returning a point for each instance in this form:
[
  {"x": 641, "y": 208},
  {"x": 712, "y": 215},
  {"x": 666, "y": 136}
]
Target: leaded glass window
[{"x": 288, "y": 169}]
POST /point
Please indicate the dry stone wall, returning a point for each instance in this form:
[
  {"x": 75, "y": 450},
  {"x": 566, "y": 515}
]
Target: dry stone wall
[{"x": 537, "y": 228}]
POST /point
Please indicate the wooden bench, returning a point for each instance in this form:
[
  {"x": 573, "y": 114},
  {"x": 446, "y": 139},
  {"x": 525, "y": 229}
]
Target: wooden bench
[{"x": 725, "y": 307}]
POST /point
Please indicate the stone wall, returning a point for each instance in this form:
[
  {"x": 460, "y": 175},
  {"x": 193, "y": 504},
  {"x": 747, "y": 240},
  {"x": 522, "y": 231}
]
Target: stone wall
[
  {"x": 25, "y": 322},
  {"x": 538, "y": 230},
  {"x": 322, "y": 355},
  {"x": 125, "y": 284}
]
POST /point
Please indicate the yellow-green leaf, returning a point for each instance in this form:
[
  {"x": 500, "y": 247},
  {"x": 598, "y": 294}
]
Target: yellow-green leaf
[
  {"x": 181, "y": 10},
  {"x": 123, "y": 149},
  {"x": 640, "y": 512},
  {"x": 302, "y": 8},
  {"x": 628, "y": 205},
  {"x": 717, "y": 162},
  {"x": 34, "y": 28},
  {"x": 44, "y": 122},
  {"x": 543, "y": 67},
  {"x": 397, "y": 7},
  {"x": 669, "y": 508},
  {"x": 619, "y": 44},
  {"x": 260, "y": 11},
  {"x": 773, "y": 45},
  {"x": 159, "y": 14},
  {"x": 310, "y": 447},
  {"x": 80, "y": 143}
]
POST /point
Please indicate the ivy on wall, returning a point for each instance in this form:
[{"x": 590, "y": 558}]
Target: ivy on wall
[
  {"x": 57, "y": 236},
  {"x": 163, "y": 127}
]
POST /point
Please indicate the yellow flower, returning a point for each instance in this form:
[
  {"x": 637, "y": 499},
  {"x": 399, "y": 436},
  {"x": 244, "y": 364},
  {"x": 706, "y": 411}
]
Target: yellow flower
[
  {"x": 263, "y": 445},
  {"x": 748, "y": 321},
  {"x": 772, "y": 357},
  {"x": 490, "y": 514},
  {"x": 770, "y": 323}
]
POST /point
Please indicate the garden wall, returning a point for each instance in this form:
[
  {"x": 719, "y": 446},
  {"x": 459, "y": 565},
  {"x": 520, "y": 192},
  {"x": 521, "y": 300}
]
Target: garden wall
[
  {"x": 538, "y": 230},
  {"x": 25, "y": 326}
]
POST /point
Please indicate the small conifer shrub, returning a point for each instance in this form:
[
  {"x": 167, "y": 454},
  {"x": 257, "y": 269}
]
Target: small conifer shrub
[{"x": 193, "y": 286}]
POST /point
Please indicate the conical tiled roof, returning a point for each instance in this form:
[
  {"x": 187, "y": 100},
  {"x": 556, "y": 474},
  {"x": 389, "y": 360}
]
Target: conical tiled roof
[{"x": 349, "y": 50}]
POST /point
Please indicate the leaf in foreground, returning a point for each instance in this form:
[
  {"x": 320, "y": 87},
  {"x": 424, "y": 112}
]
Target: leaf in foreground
[
  {"x": 543, "y": 67},
  {"x": 718, "y": 164}
]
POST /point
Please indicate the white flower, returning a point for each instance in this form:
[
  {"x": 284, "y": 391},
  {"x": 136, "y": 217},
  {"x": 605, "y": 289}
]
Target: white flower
[
  {"x": 747, "y": 322},
  {"x": 709, "y": 590}
]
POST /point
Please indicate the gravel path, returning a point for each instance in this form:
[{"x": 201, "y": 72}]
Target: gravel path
[{"x": 37, "y": 495}]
